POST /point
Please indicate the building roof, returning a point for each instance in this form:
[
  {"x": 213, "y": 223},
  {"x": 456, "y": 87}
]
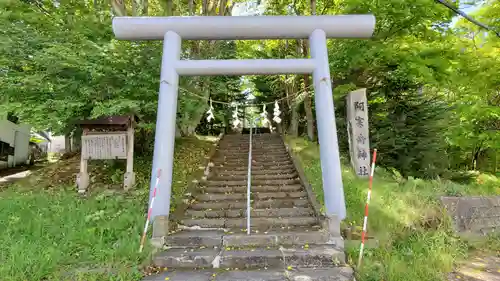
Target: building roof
[{"x": 111, "y": 121}]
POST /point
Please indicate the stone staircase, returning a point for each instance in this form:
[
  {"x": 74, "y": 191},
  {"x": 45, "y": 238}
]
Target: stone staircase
[{"x": 286, "y": 242}]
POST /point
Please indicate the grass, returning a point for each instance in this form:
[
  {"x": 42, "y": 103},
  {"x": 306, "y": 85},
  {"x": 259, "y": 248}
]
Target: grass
[
  {"x": 48, "y": 232},
  {"x": 416, "y": 238}
]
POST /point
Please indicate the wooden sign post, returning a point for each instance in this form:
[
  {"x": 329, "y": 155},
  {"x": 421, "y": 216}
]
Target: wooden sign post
[{"x": 107, "y": 138}]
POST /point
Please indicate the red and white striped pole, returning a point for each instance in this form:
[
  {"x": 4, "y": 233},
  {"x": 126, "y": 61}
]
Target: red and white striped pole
[
  {"x": 365, "y": 222},
  {"x": 150, "y": 210}
]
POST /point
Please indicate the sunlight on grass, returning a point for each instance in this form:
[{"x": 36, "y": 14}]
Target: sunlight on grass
[
  {"x": 54, "y": 234},
  {"x": 46, "y": 232},
  {"x": 416, "y": 238}
]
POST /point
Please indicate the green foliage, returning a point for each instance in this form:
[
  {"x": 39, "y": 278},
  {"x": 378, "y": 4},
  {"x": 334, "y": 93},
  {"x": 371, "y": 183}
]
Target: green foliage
[
  {"x": 408, "y": 133},
  {"x": 432, "y": 89},
  {"x": 50, "y": 233},
  {"x": 61, "y": 64},
  {"x": 416, "y": 239}
]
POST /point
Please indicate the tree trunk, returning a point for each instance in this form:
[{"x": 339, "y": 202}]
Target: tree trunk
[
  {"x": 222, "y": 7},
  {"x": 135, "y": 8},
  {"x": 145, "y": 4},
  {"x": 119, "y": 8},
  {"x": 188, "y": 130},
  {"x": 293, "y": 126},
  {"x": 495, "y": 164},
  {"x": 229, "y": 10},
  {"x": 294, "y": 122},
  {"x": 212, "y": 5},
  {"x": 190, "y": 7},
  {"x": 307, "y": 98},
  {"x": 169, "y": 8},
  {"x": 67, "y": 142},
  {"x": 177, "y": 132},
  {"x": 204, "y": 8},
  {"x": 139, "y": 7}
]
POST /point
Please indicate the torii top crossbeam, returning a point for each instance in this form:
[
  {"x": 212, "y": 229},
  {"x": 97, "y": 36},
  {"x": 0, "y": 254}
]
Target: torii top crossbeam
[{"x": 243, "y": 27}]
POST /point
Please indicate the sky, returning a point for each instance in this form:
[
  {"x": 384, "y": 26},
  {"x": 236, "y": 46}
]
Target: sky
[
  {"x": 250, "y": 8},
  {"x": 466, "y": 9}
]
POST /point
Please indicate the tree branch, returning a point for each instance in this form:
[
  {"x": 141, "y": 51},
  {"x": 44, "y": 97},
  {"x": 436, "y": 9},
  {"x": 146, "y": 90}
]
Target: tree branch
[{"x": 467, "y": 17}]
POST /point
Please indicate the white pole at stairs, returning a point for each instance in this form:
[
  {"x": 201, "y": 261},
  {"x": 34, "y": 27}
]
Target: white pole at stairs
[{"x": 249, "y": 177}]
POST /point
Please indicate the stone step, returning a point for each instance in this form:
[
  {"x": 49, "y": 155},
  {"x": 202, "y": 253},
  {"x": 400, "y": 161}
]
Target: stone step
[
  {"x": 186, "y": 258},
  {"x": 255, "y": 146},
  {"x": 259, "y": 135},
  {"x": 258, "y": 158},
  {"x": 313, "y": 257},
  {"x": 260, "y": 188},
  {"x": 195, "y": 239},
  {"x": 270, "y": 167},
  {"x": 301, "y": 274},
  {"x": 299, "y": 236},
  {"x": 253, "y": 195},
  {"x": 276, "y": 238},
  {"x": 254, "y": 140},
  {"x": 280, "y": 195},
  {"x": 255, "y": 162},
  {"x": 242, "y": 158},
  {"x": 272, "y": 150},
  {"x": 255, "y": 150},
  {"x": 237, "y": 213},
  {"x": 254, "y": 172},
  {"x": 263, "y": 152},
  {"x": 220, "y": 196},
  {"x": 257, "y": 204},
  {"x": 239, "y": 177},
  {"x": 258, "y": 222},
  {"x": 254, "y": 182},
  {"x": 255, "y": 137}
]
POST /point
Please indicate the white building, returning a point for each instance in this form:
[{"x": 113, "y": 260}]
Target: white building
[{"x": 14, "y": 143}]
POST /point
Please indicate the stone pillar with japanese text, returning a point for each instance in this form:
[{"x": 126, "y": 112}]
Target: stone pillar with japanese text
[{"x": 357, "y": 129}]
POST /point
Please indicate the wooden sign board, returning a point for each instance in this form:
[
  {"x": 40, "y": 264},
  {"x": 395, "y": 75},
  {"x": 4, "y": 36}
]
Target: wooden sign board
[{"x": 104, "y": 146}]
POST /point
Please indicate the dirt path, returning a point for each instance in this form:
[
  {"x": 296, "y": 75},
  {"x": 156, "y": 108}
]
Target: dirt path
[{"x": 478, "y": 268}]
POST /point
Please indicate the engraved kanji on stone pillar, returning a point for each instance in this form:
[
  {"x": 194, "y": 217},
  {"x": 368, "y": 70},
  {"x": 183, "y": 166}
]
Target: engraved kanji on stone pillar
[{"x": 357, "y": 129}]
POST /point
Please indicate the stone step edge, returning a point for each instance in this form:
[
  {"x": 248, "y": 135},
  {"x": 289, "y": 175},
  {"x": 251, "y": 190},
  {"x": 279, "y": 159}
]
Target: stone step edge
[
  {"x": 282, "y": 222},
  {"x": 275, "y": 203},
  {"x": 237, "y": 177},
  {"x": 344, "y": 273},
  {"x": 258, "y": 188},
  {"x": 223, "y": 258},
  {"x": 209, "y": 196},
  {"x": 218, "y": 238},
  {"x": 255, "y": 213}
]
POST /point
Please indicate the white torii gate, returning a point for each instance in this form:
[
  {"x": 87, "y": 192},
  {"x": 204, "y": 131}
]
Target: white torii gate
[{"x": 173, "y": 29}]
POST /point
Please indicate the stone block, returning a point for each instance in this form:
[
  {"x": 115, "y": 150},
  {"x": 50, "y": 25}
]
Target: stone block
[
  {"x": 160, "y": 226},
  {"x": 128, "y": 180},
  {"x": 332, "y": 225},
  {"x": 196, "y": 239},
  {"x": 186, "y": 258},
  {"x": 476, "y": 215},
  {"x": 82, "y": 181}
]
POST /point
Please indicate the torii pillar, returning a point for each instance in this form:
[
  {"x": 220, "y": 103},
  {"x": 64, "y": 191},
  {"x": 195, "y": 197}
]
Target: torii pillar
[{"x": 173, "y": 29}]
